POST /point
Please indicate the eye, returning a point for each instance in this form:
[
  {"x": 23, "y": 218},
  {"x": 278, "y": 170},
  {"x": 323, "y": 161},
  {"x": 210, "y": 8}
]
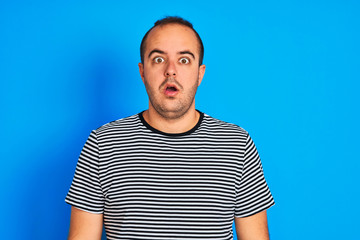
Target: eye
[
  {"x": 158, "y": 60},
  {"x": 184, "y": 60}
]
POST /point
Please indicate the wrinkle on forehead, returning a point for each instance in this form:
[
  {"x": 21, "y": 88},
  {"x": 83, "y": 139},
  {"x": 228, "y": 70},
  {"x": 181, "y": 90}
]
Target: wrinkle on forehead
[{"x": 171, "y": 27}]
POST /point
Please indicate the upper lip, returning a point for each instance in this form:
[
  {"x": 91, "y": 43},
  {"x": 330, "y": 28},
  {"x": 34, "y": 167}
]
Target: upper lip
[
  {"x": 171, "y": 85},
  {"x": 170, "y": 82}
]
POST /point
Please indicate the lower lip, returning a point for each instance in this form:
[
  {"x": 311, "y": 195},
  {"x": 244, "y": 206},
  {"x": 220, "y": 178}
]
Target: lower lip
[{"x": 171, "y": 93}]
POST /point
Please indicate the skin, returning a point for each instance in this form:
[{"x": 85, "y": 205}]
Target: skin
[
  {"x": 171, "y": 59},
  {"x": 253, "y": 227},
  {"x": 84, "y": 225}
]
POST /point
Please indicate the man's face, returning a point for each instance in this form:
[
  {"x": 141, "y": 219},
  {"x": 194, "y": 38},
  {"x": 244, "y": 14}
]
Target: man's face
[{"x": 171, "y": 71}]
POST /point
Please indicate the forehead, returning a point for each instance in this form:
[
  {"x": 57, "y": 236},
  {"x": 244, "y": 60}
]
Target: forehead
[{"x": 172, "y": 37}]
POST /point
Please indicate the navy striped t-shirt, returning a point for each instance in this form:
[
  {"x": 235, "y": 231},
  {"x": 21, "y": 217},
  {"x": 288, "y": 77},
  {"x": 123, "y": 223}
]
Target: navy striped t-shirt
[{"x": 153, "y": 185}]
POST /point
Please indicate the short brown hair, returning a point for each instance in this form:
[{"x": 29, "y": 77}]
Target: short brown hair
[{"x": 169, "y": 20}]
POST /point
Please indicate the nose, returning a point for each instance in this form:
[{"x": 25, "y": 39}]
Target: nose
[{"x": 170, "y": 70}]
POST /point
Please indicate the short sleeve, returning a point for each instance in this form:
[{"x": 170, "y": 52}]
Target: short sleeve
[
  {"x": 253, "y": 194},
  {"x": 85, "y": 191}
]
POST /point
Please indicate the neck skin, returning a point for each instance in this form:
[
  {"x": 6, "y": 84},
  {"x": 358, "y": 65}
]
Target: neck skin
[{"x": 177, "y": 125}]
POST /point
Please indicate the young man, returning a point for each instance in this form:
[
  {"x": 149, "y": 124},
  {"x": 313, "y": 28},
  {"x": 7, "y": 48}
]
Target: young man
[{"x": 170, "y": 172}]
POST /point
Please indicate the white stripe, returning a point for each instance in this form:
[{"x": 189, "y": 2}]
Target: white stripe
[{"x": 155, "y": 186}]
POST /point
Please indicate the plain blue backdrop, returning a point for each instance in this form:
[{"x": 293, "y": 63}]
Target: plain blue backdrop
[{"x": 286, "y": 71}]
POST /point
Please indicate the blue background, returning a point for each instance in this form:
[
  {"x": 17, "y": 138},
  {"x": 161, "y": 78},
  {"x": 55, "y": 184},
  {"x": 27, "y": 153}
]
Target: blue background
[{"x": 286, "y": 71}]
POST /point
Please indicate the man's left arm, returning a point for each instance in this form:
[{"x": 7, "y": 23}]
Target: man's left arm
[{"x": 253, "y": 227}]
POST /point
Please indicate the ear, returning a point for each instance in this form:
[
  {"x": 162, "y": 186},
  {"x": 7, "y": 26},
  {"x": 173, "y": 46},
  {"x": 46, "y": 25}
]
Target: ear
[
  {"x": 201, "y": 73},
  {"x": 141, "y": 71}
]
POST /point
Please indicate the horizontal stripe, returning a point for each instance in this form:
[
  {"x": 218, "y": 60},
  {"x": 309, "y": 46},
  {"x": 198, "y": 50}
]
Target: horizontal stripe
[{"x": 151, "y": 185}]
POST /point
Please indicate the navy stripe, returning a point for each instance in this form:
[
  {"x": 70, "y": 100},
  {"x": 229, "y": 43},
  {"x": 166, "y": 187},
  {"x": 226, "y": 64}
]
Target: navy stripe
[{"x": 153, "y": 185}]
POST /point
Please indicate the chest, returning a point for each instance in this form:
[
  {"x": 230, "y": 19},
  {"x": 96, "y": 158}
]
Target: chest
[{"x": 163, "y": 171}]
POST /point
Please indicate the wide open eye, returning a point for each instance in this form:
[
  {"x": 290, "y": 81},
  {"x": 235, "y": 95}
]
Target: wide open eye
[
  {"x": 158, "y": 60},
  {"x": 184, "y": 60}
]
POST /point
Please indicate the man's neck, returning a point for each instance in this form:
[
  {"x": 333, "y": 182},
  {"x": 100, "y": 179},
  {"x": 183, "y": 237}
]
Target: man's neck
[{"x": 177, "y": 125}]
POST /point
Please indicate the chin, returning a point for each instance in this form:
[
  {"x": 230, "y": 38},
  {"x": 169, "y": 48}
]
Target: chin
[{"x": 173, "y": 113}]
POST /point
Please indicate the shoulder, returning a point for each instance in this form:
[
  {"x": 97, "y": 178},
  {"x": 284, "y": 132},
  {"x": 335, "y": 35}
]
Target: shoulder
[
  {"x": 215, "y": 125},
  {"x": 127, "y": 124}
]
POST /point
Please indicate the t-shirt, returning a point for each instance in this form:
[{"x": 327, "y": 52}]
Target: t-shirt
[{"x": 154, "y": 185}]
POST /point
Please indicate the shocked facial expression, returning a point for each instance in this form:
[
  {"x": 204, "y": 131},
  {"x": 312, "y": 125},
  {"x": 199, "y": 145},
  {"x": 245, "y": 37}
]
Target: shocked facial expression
[{"x": 171, "y": 71}]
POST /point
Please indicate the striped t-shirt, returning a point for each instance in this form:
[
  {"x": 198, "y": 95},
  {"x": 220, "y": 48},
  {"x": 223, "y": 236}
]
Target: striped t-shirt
[{"x": 154, "y": 185}]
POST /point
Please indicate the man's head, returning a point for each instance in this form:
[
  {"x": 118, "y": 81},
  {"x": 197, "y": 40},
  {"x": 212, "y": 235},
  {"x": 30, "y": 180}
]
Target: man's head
[
  {"x": 172, "y": 20},
  {"x": 170, "y": 68}
]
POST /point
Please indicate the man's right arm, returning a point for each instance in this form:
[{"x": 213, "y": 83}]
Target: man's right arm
[{"x": 85, "y": 225}]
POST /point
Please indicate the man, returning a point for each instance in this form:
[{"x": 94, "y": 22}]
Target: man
[{"x": 170, "y": 172}]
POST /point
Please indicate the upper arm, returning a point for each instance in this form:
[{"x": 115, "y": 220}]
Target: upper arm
[
  {"x": 85, "y": 225},
  {"x": 253, "y": 227}
]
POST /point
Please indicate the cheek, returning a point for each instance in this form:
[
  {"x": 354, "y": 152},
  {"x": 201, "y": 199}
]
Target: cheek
[
  {"x": 153, "y": 72},
  {"x": 190, "y": 75}
]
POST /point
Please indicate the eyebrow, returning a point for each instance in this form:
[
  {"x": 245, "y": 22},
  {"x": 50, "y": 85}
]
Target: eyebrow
[
  {"x": 188, "y": 52},
  {"x": 156, "y": 51},
  {"x": 162, "y": 52}
]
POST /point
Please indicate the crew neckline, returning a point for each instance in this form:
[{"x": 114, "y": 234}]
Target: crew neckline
[{"x": 148, "y": 126}]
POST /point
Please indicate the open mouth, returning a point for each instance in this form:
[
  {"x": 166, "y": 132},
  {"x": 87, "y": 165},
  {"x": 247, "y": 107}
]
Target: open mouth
[{"x": 171, "y": 90}]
